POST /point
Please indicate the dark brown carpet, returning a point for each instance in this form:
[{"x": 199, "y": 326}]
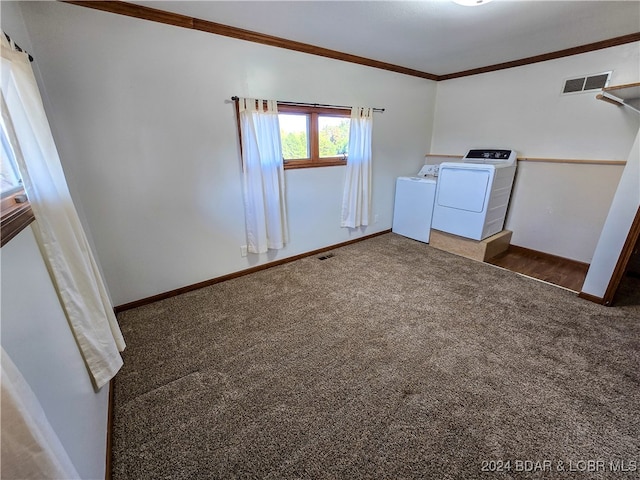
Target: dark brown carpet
[{"x": 390, "y": 360}]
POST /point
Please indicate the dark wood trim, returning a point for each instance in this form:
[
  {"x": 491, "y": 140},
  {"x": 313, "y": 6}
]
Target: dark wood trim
[
  {"x": 314, "y": 137},
  {"x": 612, "y": 42},
  {"x": 623, "y": 260},
  {"x": 324, "y": 111},
  {"x": 240, "y": 273},
  {"x": 108, "y": 468},
  {"x": 324, "y": 162},
  {"x": 313, "y": 113},
  {"x": 256, "y": 37},
  {"x": 161, "y": 16},
  {"x": 137, "y": 11},
  {"x": 591, "y": 298},
  {"x": 15, "y": 217}
]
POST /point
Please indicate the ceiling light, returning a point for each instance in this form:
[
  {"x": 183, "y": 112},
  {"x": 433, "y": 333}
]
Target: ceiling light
[{"x": 471, "y": 3}]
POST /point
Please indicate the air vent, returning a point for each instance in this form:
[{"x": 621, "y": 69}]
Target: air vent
[
  {"x": 596, "y": 82},
  {"x": 328, "y": 255},
  {"x": 574, "y": 85},
  {"x": 587, "y": 83}
]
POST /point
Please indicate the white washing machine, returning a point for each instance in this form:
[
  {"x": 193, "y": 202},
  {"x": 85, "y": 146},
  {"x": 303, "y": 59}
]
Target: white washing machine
[
  {"x": 413, "y": 207},
  {"x": 472, "y": 195}
]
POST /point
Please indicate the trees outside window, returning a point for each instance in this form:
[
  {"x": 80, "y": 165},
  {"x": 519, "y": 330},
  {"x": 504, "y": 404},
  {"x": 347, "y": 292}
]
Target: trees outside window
[{"x": 314, "y": 136}]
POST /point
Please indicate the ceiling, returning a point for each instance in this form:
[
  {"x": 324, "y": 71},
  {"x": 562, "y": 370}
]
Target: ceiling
[{"x": 435, "y": 36}]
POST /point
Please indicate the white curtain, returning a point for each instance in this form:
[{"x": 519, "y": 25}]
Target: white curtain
[
  {"x": 30, "y": 447},
  {"x": 263, "y": 175},
  {"x": 356, "y": 199},
  {"x": 57, "y": 228}
]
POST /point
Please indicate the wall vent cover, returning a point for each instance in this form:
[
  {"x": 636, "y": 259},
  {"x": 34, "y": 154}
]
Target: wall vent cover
[{"x": 587, "y": 83}]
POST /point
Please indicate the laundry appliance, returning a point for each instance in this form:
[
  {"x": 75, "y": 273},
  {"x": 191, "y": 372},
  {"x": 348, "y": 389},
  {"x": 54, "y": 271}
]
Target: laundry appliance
[
  {"x": 413, "y": 206},
  {"x": 472, "y": 195}
]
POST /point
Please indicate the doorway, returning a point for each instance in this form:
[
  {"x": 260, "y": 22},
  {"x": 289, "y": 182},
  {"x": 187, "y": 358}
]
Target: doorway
[{"x": 624, "y": 285}]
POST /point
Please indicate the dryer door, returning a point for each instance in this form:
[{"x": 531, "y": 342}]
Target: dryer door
[{"x": 463, "y": 188}]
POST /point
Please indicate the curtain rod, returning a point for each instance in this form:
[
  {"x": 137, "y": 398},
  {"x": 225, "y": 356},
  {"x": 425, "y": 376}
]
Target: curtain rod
[
  {"x": 302, "y": 104},
  {"x": 17, "y": 47}
]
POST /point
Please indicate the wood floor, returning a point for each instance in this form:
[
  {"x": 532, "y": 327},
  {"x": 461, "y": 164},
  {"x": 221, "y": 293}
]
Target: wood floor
[{"x": 557, "y": 270}]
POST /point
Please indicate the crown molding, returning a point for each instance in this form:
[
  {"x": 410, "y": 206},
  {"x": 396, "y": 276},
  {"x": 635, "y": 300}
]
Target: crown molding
[
  {"x": 161, "y": 16},
  {"x": 169, "y": 18},
  {"x": 612, "y": 42}
]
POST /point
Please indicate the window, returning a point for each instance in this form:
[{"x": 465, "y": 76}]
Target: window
[
  {"x": 10, "y": 181},
  {"x": 314, "y": 136},
  {"x": 15, "y": 210}
]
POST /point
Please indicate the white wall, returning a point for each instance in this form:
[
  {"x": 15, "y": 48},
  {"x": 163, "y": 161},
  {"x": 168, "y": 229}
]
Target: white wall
[
  {"x": 35, "y": 334},
  {"x": 618, "y": 223},
  {"x": 558, "y": 209},
  {"x": 147, "y": 136}
]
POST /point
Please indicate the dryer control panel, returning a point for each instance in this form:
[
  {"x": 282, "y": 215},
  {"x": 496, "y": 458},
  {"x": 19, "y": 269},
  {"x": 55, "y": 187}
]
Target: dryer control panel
[{"x": 490, "y": 156}]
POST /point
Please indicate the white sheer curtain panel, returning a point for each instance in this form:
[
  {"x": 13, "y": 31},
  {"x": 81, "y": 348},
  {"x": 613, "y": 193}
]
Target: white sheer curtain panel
[
  {"x": 263, "y": 175},
  {"x": 57, "y": 228},
  {"x": 356, "y": 199},
  {"x": 30, "y": 447}
]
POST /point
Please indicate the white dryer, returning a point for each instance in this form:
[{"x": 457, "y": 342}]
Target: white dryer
[{"x": 472, "y": 195}]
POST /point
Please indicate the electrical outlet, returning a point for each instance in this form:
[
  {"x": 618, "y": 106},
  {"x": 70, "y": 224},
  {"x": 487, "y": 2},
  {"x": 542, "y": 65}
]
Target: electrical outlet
[
  {"x": 375, "y": 218},
  {"x": 243, "y": 250}
]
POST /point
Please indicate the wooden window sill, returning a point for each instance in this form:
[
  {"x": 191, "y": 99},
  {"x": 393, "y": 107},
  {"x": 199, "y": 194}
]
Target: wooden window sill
[
  {"x": 329, "y": 162},
  {"x": 14, "y": 218}
]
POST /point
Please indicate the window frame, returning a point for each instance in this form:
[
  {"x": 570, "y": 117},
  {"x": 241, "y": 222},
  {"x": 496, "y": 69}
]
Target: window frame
[
  {"x": 314, "y": 160},
  {"x": 16, "y": 215},
  {"x": 15, "y": 210}
]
